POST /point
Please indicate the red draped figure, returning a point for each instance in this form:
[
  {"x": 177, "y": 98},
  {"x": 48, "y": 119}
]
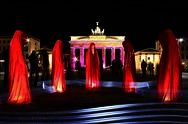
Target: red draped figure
[
  {"x": 169, "y": 78},
  {"x": 19, "y": 91},
  {"x": 58, "y": 75},
  {"x": 92, "y": 68},
  {"x": 129, "y": 67}
]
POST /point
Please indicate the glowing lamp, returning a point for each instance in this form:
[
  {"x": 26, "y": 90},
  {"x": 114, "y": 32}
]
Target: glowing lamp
[{"x": 27, "y": 39}]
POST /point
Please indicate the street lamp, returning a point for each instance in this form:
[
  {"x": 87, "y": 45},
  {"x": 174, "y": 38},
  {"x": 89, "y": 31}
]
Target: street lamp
[
  {"x": 180, "y": 40},
  {"x": 27, "y": 39}
]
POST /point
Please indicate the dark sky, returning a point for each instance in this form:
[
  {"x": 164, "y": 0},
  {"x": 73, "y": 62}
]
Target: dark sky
[{"x": 139, "y": 20}]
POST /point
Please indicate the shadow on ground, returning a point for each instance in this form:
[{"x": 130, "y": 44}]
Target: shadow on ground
[{"x": 77, "y": 97}]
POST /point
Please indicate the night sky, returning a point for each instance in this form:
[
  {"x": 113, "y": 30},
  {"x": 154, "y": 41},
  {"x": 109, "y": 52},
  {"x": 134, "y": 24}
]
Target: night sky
[{"x": 139, "y": 20}]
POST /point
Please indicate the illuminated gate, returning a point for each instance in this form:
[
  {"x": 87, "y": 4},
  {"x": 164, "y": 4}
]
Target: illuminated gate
[{"x": 102, "y": 42}]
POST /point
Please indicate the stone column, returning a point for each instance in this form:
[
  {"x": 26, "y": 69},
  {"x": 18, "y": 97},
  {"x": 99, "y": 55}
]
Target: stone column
[
  {"x": 113, "y": 53},
  {"x": 104, "y": 56},
  {"x": 122, "y": 55},
  {"x": 73, "y": 61},
  {"x": 82, "y": 56}
]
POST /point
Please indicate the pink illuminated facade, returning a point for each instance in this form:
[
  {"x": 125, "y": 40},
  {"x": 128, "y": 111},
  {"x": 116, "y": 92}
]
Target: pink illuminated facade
[{"x": 102, "y": 43}]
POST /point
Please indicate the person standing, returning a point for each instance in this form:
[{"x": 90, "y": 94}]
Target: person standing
[
  {"x": 45, "y": 64},
  {"x": 34, "y": 74},
  {"x": 143, "y": 67}
]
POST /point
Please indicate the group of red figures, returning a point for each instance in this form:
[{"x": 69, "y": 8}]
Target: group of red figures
[{"x": 168, "y": 81}]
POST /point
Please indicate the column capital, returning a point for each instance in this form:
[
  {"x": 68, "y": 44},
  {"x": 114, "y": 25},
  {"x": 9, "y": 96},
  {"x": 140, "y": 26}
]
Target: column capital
[{"x": 72, "y": 47}]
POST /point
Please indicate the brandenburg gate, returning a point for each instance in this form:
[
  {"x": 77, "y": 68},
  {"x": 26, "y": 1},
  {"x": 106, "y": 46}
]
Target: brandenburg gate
[{"x": 101, "y": 41}]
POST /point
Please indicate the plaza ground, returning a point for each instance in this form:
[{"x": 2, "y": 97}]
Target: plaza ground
[
  {"x": 76, "y": 95},
  {"x": 108, "y": 104}
]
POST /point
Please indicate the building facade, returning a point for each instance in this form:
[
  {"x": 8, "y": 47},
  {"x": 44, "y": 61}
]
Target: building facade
[
  {"x": 108, "y": 47},
  {"x": 149, "y": 55},
  {"x": 183, "y": 45},
  {"x": 4, "y": 44},
  {"x": 33, "y": 44},
  {"x": 183, "y": 42}
]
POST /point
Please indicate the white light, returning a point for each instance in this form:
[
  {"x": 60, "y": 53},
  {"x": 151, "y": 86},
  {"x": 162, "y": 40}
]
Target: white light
[
  {"x": 2, "y": 60},
  {"x": 75, "y": 59},
  {"x": 43, "y": 86},
  {"x": 50, "y": 61},
  {"x": 103, "y": 65},
  {"x": 180, "y": 39},
  {"x": 27, "y": 39}
]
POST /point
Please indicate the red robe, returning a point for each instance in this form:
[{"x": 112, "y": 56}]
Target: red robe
[
  {"x": 19, "y": 91},
  {"x": 169, "y": 78},
  {"x": 58, "y": 75},
  {"x": 129, "y": 67},
  {"x": 92, "y": 69}
]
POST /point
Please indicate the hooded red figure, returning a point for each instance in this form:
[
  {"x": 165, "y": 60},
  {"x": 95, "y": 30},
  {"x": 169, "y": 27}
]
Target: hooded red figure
[
  {"x": 169, "y": 77},
  {"x": 58, "y": 75},
  {"x": 129, "y": 67},
  {"x": 92, "y": 68},
  {"x": 19, "y": 90}
]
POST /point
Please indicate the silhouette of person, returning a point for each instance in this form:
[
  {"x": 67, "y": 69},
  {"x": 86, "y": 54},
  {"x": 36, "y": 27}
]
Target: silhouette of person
[
  {"x": 68, "y": 71},
  {"x": 78, "y": 68},
  {"x": 78, "y": 65},
  {"x": 92, "y": 68},
  {"x": 119, "y": 67},
  {"x": 113, "y": 69},
  {"x": 129, "y": 70},
  {"x": 169, "y": 77},
  {"x": 101, "y": 66},
  {"x": 116, "y": 68},
  {"x": 157, "y": 69},
  {"x": 5, "y": 56},
  {"x": 45, "y": 64},
  {"x": 58, "y": 74},
  {"x": 150, "y": 68},
  {"x": 143, "y": 67},
  {"x": 19, "y": 91},
  {"x": 33, "y": 59}
]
